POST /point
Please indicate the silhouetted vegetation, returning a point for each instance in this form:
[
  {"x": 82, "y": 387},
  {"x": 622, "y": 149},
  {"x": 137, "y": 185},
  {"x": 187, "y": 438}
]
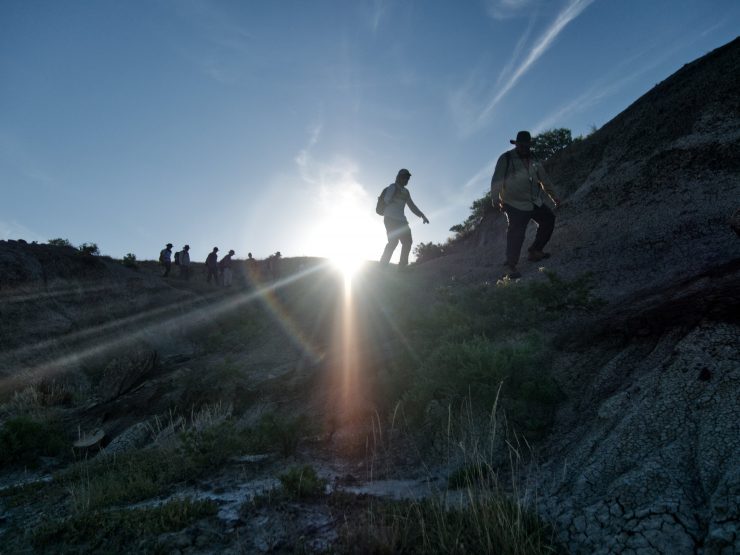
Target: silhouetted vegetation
[
  {"x": 428, "y": 251},
  {"x": 59, "y": 242},
  {"x": 130, "y": 261},
  {"x": 547, "y": 143},
  {"x": 90, "y": 249}
]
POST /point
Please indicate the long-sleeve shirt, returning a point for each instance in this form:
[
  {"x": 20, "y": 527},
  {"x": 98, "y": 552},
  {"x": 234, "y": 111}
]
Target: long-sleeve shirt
[
  {"x": 396, "y": 198},
  {"x": 520, "y": 185},
  {"x": 184, "y": 258}
]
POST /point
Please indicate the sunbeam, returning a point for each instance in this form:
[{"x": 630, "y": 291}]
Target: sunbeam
[{"x": 118, "y": 334}]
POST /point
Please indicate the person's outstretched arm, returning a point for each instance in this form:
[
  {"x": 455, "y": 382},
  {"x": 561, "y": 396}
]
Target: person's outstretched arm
[
  {"x": 546, "y": 185},
  {"x": 415, "y": 210}
]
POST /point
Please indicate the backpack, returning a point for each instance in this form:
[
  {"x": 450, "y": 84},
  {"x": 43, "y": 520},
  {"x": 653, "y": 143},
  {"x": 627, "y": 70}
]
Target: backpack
[
  {"x": 177, "y": 258},
  {"x": 161, "y": 256},
  {"x": 380, "y": 205}
]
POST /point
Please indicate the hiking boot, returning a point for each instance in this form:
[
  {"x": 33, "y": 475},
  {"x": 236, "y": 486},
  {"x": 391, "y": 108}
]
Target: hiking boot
[
  {"x": 536, "y": 256},
  {"x": 512, "y": 272}
]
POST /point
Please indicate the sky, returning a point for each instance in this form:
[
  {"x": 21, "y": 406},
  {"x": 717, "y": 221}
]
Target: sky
[{"x": 265, "y": 126}]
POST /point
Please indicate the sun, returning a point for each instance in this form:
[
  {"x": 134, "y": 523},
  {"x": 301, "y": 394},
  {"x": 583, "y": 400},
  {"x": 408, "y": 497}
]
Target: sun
[
  {"x": 347, "y": 263},
  {"x": 347, "y": 233}
]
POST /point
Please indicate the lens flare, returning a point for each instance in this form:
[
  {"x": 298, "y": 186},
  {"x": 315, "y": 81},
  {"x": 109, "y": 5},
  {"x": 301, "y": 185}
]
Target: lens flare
[{"x": 347, "y": 264}]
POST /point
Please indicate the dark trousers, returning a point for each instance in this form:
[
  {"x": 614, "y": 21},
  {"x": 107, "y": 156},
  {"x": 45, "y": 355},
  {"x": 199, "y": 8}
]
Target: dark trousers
[
  {"x": 518, "y": 220},
  {"x": 167, "y": 266},
  {"x": 212, "y": 273},
  {"x": 397, "y": 231}
]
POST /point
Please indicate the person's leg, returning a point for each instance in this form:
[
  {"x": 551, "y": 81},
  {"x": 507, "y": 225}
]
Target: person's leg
[
  {"x": 545, "y": 224},
  {"x": 166, "y": 269},
  {"x": 518, "y": 220},
  {"x": 406, "y": 241},
  {"x": 391, "y": 227}
]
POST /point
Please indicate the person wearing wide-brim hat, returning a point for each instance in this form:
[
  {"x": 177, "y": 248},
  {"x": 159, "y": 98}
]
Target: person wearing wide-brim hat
[
  {"x": 520, "y": 187},
  {"x": 165, "y": 259},
  {"x": 396, "y": 198}
]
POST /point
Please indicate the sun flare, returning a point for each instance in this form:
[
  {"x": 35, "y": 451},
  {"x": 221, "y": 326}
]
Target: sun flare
[{"x": 347, "y": 263}]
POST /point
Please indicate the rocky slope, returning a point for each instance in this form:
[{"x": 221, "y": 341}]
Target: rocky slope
[{"x": 645, "y": 456}]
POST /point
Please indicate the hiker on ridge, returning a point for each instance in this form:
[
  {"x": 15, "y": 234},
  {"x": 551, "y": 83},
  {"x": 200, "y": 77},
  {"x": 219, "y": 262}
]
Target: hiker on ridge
[
  {"x": 396, "y": 198},
  {"x": 212, "y": 266},
  {"x": 225, "y": 267},
  {"x": 252, "y": 269},
  {"x": 517, "y": 187},
  {"x": 165, "y": 259},
  {"x": 185, "y": 263}
]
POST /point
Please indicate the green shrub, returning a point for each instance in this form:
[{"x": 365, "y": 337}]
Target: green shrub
[
  {"x": 130, "y": 261},
  {"x": 212, "y": 447},
  {"x": 122, "y": 530},
  {"x": 89, "y": 249},
  {"x": 129, "y": 477},
  {"x": 23, "y": 441},
  {"x": 301, "y": 482},
  {"x": 428, "y": 251},
  {"x": 279, "y": 433},
  {"x": 485, "y": 522},
  {"x": 59, "y": 242}
]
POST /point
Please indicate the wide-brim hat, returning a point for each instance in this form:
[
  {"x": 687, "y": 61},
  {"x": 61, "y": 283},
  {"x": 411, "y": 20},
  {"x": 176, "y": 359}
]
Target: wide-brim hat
[
  {"x": 169, "y": 245},
  {"x": 522, "y": 137},
  {"x": 403, "y": 171}
]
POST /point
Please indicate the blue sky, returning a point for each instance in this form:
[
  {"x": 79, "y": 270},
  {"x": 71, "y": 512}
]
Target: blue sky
[{"x": 265, "y": 126}]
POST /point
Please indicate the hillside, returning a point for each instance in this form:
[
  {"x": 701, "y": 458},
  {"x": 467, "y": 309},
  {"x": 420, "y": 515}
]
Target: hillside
[{"x": 590, "y": 407}]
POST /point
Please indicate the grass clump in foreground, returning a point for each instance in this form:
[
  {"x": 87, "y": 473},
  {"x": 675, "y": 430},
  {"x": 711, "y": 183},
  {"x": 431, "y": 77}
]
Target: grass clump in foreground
[
  {"x": 119, "y": 531},
  {"x": 483, "y": 342},
  {"x": 302, "y": 482},
  {"x": 138, "y": 475},
  {"x": 479, "y": 523}
]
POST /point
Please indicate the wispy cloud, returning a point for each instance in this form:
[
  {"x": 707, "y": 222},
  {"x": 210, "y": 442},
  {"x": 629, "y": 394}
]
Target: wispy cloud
[
  {"x": 224, "y": 43},
  {"x": 572, "y": 10},
  {"x": 378, "y": 10},
  {"x": 470, "y": 114},
  {"x": 617, "y": 79},
  {"x": 505, "y": 9}
]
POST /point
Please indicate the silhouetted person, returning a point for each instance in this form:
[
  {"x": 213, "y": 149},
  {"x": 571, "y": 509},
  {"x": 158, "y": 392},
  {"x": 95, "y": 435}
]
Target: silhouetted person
[
  {"x": 185, "y": 263},
  {"x": 212, "y": 266},
  {"x": 165, "y": 259},
  {"x": 226, "y": 271},
  {"x": 273, "y": 265},
  {"x": 396, "y": 198},
  {"x": 252, "y": 268},
  {"x": 517, "y": 187}
]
